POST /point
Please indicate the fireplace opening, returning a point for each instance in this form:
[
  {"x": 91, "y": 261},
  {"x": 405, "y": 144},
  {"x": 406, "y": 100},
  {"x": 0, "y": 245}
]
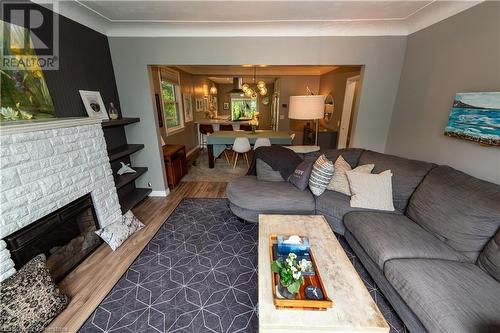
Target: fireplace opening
[{"x": 66, "y": 237}]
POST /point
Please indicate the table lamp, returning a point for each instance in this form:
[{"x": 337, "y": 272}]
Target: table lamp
[{"x": 307, "y": 107}]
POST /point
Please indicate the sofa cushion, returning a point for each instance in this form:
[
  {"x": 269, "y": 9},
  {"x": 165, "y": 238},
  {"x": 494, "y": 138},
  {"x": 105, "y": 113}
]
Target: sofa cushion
[
  {"x": 268, "y": 197},
  {"x": 447, "y": 296},
  {"x": 266, "y": 173},
  {"x": 386, "y": 236},
  {"x": 407, "y": 174},
  {"x": 461, "y": 210},
  {"x": 489, "y": 259},
  {"x": 351, "y": 155}
]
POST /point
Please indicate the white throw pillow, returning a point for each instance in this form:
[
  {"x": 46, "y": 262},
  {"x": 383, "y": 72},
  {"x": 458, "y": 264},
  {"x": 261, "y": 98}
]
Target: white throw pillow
[
  {"x": 371, "y": 191},
  {"x": 321, "y": 175},
  {"x": 339, "y": 181},
  {"x": 117, "y": 232}
]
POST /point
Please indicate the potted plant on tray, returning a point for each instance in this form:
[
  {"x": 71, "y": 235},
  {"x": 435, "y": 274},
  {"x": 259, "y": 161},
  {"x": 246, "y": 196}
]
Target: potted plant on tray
[{"x": 290, "y": 275}]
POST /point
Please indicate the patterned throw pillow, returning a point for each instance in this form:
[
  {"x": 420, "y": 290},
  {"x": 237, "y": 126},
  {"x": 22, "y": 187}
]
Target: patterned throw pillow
[
  {"x": 371, "y": 191},
  {"x": 29, "y": 299},
  {"x": 339, "y": 181},
  {"x": 300, "y": 177},
  {"x": 117, "y": 232},
  {"x": 321, "y": 175}
]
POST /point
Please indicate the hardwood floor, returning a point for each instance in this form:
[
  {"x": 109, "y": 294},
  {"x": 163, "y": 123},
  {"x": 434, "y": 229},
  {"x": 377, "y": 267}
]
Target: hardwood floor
[{"x": 93, "y": 279}]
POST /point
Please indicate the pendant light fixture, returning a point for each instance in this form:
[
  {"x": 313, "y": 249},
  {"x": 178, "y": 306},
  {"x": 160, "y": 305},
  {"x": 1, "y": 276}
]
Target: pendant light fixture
[{"x": 213, "y": 89}]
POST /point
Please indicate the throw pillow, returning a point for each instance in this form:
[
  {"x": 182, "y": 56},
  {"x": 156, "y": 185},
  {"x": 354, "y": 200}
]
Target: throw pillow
[
  {"x": 339, "y": 181},
  {"x": 321, "y": 175},
  {"x": 29, "y": 299},
  {"x": 266, "y": 173},
  {"x": 371, "y": 191},
  {"x": 300, "y": 177},
  {"x": 117, "y": 232},
  {"x": 132, "y": 222}
]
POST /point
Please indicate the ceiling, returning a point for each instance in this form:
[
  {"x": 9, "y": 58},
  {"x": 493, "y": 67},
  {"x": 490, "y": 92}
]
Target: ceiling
[{"x": 258, "y": 17}]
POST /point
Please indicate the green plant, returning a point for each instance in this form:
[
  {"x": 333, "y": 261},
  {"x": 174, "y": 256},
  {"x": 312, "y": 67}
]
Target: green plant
[{"x": 290, "y": 272}]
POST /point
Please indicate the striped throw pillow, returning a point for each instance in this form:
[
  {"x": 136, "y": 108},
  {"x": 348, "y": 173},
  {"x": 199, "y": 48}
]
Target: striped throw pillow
[{"x": 321, "y": 175}]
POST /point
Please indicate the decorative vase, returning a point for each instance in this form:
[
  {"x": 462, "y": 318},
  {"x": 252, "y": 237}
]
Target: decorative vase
[
  {"x": 284, "y": 292},
  {"x": 113, "y": 112},
  {"x": 253, "y": 129}
]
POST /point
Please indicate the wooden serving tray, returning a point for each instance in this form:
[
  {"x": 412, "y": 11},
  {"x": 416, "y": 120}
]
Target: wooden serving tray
[{"x": 301, "y": 302}]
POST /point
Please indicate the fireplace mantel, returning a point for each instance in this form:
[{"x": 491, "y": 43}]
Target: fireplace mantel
[{"x": 24, "y": 126}]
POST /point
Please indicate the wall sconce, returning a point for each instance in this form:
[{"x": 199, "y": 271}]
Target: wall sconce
[
  {"x": 329, "y": 107},
  {"x": 213, "y": 90}
]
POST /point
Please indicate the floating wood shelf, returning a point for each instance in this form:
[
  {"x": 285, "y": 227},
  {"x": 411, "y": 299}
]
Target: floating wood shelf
[
  {"x": 119, "y": 122},
  {"x": 125, "y": 150},
  {"x": 127, "y": 178},
  {"x": 133, "y": 197}
]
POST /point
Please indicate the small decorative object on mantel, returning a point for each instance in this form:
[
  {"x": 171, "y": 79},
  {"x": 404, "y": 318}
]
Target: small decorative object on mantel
[
  {"x": 94, "y": 104},
  {"x": 113, "y": 112},
  {"x": 125, "y": 169},
  {"x": 295, "y": 279},
  {"x": 475, "y": 117}
]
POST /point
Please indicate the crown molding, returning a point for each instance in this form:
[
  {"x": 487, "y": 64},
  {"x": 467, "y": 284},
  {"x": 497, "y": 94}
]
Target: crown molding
[{"x": 430, "y": 14}]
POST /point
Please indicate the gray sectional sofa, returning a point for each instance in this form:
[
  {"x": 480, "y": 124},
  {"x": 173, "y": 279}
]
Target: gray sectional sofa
[{"x": 436, "y": 258}]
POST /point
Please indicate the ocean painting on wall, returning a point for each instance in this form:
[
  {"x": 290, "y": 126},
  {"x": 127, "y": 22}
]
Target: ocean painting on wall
[{"x": 476, "y": 117}]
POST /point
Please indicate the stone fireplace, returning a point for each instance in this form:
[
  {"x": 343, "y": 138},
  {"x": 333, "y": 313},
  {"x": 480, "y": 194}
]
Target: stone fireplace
[{"x": 48, "y": 168}]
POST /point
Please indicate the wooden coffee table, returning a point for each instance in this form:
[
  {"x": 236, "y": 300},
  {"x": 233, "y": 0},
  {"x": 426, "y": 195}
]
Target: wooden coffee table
[{"x": 353, "y": 308}]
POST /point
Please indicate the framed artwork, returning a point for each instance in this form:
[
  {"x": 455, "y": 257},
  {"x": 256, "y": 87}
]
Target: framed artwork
[
  {"x": 199, "y": 105},
  {"x": 93, "y": 104},
  {"x": 205, "y": 104},
  {"x": 188, "y": 109},
  {"x": 226, "y": 106},
  {"x": 475, "y": 117}
]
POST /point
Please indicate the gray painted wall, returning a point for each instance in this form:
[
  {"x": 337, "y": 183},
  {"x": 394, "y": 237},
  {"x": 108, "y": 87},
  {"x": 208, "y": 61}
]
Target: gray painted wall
[
  {"x": 460, "y": 54},
  {"x": 382, "y": 56}
]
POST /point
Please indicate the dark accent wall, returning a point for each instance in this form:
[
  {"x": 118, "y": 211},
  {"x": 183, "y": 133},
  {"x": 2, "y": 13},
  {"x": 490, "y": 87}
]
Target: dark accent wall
[{"x": 84, "y": 64}]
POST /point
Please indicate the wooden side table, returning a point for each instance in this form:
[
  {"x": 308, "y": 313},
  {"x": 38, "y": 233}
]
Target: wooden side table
[{"x": 175, "y": 163}]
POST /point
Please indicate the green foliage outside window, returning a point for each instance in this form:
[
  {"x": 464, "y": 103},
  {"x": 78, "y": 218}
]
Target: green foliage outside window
[
  {"x": 170, "y": 104},
  {"x": 243, "y": 108}
]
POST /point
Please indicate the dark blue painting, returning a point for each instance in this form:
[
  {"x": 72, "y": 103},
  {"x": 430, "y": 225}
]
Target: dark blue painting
[{"x": 476, "y": 117}]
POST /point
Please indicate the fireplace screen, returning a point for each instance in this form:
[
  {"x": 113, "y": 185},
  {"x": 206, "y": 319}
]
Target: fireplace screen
[{"x": 66, "y": 237}]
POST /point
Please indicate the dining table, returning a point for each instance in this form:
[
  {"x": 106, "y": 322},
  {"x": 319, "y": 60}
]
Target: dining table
[{"x": 218, "y": 141}]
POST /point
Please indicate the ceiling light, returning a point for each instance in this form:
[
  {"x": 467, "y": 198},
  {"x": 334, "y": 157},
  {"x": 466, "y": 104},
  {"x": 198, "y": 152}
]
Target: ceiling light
[
  {"x": 245, "y": 87},
  {"x": 261, "y": 84},
  {"x": 247, "y": 65},
  {"x": 263, "y": 91}
]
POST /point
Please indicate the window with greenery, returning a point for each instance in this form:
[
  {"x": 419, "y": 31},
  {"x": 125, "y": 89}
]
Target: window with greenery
[
  {"x": 171, "y": 105},
  {"x": 243, "y": 108}
]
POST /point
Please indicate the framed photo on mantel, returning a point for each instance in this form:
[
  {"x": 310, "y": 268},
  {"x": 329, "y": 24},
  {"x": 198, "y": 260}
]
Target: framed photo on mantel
[{"x": 93, "y": 103}]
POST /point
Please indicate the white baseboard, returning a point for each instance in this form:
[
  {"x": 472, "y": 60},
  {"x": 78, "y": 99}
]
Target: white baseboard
[{"x": 159, "y": 193}]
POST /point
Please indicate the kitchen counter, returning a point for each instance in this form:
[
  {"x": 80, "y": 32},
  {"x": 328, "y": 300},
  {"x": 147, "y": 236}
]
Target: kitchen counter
[{"x": 220, "y": 122}]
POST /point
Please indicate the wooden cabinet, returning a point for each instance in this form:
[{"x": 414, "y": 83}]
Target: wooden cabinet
[{"x": 175, "y": 163}]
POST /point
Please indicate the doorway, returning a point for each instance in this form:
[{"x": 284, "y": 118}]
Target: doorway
[{"x": 345, "y": 130}]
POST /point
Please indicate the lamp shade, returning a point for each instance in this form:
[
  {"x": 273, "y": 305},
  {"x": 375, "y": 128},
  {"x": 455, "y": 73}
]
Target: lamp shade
[{"x": 306, "y": 107}]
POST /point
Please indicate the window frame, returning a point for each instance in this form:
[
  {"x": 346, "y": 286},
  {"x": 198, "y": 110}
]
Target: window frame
[{"x": 178, "y": 102}]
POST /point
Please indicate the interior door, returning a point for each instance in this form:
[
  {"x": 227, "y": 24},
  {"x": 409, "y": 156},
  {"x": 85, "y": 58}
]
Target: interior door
[{"x": 345, "y": 119}]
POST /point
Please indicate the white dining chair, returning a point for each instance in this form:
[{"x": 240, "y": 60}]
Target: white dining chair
[
  {"x": 241, "y": 146},
  {"x": 261, "y": 142}
]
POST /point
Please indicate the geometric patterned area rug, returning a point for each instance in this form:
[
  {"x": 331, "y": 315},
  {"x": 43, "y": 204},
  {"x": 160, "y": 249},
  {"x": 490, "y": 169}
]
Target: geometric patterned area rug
[{"x": 198, "y": 274}]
